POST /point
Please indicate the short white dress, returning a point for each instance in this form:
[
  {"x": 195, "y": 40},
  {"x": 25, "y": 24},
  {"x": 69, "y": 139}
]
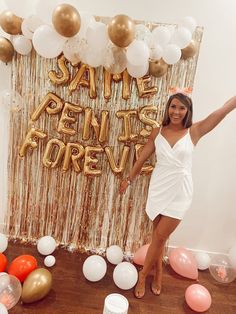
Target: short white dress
[{"x": 171, "y": 187}]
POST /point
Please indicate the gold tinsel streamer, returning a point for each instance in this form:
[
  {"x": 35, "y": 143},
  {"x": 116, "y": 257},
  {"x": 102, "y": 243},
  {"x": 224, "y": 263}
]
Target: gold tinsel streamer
[{"x": 80, "y": 212}]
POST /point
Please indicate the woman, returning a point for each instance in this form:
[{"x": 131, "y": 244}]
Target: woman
[{"x": 170, "y": 189}]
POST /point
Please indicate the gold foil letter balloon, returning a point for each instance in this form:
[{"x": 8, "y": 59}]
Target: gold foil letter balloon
[
  {"x": 37, "y": 285},
  {"x": 66, "y": 20},
  {"x": 121, "y": 30},
  {"x": 6, "y": 50}
]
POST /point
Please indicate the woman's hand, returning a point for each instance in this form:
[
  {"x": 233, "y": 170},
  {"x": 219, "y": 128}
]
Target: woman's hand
[{"x": 123, "y": 186}]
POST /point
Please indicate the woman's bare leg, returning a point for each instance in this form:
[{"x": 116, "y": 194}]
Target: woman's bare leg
[{"x": 163, "y": 228}]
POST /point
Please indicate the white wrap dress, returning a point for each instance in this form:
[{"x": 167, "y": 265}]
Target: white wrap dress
[{"x": 171, "y": 187}]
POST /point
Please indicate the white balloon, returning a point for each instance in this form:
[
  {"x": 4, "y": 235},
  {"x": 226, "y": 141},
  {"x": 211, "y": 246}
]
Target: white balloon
[
  {"x": 3, "y": 309},
  {"x": 156, "y": 52},
  {"x": 181, "y": 37},
  {"x": 29, "y": 25},
  {"x": 143, "y": 33},
  {"x": 11, "y": 290},
  {"x": 94, "y": 268},
  {"x": 114, "y": 254},
  {"x": 203, "y": 260},
  {"x": 71, "y": 49},
  {"x": 86, "y": 20},
  {"x": 137, "y": 71},
  {"x": 161, "y": 35},
  {"x": 125, "y": 275},
  {"x": 21, "y": 8},
  {"x": 171, "y": 54},
  {"x": 189, "y": 22},
  {"x": 46, "y": 245},
  {"x": 49, "y": 261},
  {"x": 22, "y": 44},
  {"x": 47, "y": 42},
  {"x": 3, "y": 242},
  {"x": 137, "y": 52},
  {"x": 94, "y": 58},
  {"x": 97, "y": 35},
  {"x": 232, "y": 256}
]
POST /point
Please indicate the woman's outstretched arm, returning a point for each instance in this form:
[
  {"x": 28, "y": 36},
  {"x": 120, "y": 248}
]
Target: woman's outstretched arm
[
  {"x": 204, "y": 126},
  {"x": 147, "y": 151}
]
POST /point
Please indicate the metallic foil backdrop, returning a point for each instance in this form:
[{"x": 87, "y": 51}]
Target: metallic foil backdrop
[{"x": 80, "y": 212}]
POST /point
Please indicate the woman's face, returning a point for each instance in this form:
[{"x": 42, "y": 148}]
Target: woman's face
[{"x": 177, "y": 111}]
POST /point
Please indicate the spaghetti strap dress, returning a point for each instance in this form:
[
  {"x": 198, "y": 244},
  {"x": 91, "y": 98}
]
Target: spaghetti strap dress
[{"x": 171, "y": 187}]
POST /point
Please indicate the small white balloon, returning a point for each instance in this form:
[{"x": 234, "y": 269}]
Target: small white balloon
[
  {"x": 94, "y": 268},
  {"x": 86, "y": 20},
  {"x": 137, "y": 71},
  {"x": 29, "y": 25},
  {"x": 161, "y": 35},
  {"x": 97, "y": 35},
  {"x": 181, "y": 37},
  {"x": 203, "y": 260},
  {"x": 3, "y": 242},
  {"x": 143, "y": 33},
  {"x": 49, "y": 261},
  {"x": 189, "y": 22},
  {"x": 3, "y": 309},
  {"x": 94, "y": 58},
  {"x": 232, "y": 256},
  {"x": 156, "y": 52},
  {"x": 46, "y": 245},
  {"x": 114, "y": 254},
  {"x": 22, "y": 44},
  {"x": 125, "y": 275},
  {"x": 171, "y": 54},
  {"x": 137, "y": 52}
]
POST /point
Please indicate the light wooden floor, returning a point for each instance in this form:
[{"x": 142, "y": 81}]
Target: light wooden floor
[{"x": 73, "y": 294}]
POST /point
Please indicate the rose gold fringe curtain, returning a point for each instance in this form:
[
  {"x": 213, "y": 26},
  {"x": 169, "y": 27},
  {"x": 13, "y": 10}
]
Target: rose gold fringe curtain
[{"x": 79, "y": 211}]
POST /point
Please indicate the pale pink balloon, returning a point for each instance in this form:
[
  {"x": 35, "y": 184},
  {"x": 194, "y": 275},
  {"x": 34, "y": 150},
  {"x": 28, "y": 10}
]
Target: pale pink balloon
[
  {"x": 140, "y": 255},
  {"x": 184, "y": 263},
  {"x": 198, "y": 298}
]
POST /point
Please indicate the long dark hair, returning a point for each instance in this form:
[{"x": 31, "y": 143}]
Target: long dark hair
[{"x": 187, "y": 102}]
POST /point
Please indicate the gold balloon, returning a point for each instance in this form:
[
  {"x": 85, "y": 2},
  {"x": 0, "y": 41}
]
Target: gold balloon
[
  {"x": 189, "y": 51},
  {"x": 64, "y": 125},
  {"x": 143, "y": 89},
  {"x": 66, "y": 20},
  {"x": 10, "y": 23},
  {"x": 85, "y": 77},
  {"x": 128, "y": 135},
  {"x": 90, "y": 161},
  {"x": 117, "y": 168},
  {"x": 52, "y": 103},
  {"x": 31, "y": 140},
  {"x": 121, "y": 30},
  {"x": 64, "y": 76},
  {"x": 126, "y": 87},
  {"x": 37, "y": 285},
  {"x": 158, "y": 68},
  {"x": 74, "y": 152},
  {"x": 54, "y": 153},
  {"x": 6, "y": 50},
  {"x": 101, "y": 131},
  {"x": 151, "y": 123}
]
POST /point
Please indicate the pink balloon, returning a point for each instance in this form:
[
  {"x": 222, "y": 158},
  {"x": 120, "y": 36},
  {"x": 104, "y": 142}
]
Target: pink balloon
[
  {"x": 140, "y": 255},
  {"x": 184, "y": 263},
  {"x": 198, "y": 298}
]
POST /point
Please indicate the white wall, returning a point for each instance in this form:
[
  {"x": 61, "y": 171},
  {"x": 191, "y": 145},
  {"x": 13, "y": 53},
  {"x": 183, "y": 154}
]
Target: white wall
[{"x": 210, "y": 223}]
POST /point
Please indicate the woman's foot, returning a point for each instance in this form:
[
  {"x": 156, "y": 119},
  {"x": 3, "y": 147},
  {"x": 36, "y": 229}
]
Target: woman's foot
[
  {"x": 156, "y": 287},
  {"x": 139, "y": 289}
]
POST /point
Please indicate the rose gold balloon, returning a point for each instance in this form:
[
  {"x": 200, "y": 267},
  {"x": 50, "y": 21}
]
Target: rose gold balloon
[
  {"x": 37, "y": 285},
  {"x": 10, "y": 23},
  {"x": 189, "y": 51},
  {"x": 158, "y": 68},
  {"x": 66, "y": 20},
  {"x": 121, "y": 30},
  {"x": 6, "y": 50}
]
